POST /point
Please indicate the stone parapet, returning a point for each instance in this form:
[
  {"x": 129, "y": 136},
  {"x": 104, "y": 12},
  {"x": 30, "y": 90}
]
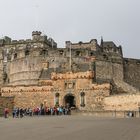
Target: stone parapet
[{"x": 71, "y": 75}]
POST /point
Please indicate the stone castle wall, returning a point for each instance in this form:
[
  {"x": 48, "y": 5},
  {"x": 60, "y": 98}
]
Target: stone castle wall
[
  {"x": 31, "y": 96},
  {"x": 62, "y": 85},
  {"x": 25, "y": 71},
  {"x": 132, "y": 72},
  {"x": 122, "y": 102},
  {"x": 89, "y": 45},
  {"x": 35, "y": 71},
  {"x": 107, "y": 71}
]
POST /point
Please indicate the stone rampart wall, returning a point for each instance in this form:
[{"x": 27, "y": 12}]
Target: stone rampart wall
[
  {"x": 132, "y": 72},
  {"x": 31, "y": 96},
  {"x": 25, "y": 71},
  {"x": 122, "y": 102},
  {"x": 107, "y": 70}
]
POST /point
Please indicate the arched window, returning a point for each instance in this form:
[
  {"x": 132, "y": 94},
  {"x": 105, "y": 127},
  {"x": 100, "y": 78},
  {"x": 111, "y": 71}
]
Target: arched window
[
  {"x": 57, "y": 99},
  {"x": 82, "y": 95}
]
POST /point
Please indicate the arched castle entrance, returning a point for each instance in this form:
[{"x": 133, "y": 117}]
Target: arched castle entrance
[{"x": 69, "y": 100}]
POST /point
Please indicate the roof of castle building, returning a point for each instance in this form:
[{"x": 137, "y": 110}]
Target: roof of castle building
[{"x": 110, "y": 44}]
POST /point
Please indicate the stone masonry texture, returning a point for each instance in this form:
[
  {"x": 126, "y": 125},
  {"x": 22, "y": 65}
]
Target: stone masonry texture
[{"x": 89, "y": 75}]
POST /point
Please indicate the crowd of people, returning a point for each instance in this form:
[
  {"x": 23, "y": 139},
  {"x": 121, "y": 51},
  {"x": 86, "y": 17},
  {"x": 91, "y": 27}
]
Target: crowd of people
[{"x": 20, "y": 112}]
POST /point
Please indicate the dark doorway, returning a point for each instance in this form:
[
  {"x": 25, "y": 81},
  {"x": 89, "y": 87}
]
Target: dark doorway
[{"x": 69, "y": 100}]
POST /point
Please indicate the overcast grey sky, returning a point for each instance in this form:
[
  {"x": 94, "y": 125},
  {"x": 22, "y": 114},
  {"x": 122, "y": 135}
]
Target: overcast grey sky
[{"x": 74, "y": 20}]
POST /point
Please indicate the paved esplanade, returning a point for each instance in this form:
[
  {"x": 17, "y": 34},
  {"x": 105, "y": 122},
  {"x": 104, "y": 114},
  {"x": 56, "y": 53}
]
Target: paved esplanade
[{"x": 69, "y": 128}]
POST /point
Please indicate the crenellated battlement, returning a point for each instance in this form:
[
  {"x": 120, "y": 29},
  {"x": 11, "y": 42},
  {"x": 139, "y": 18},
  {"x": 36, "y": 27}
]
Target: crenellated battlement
[
  {"x": 92, "y": 44},
  {"x": 110, "y": 47},
  {"x": 36, "y": 37},
  {"x": 71, "y": 75}
]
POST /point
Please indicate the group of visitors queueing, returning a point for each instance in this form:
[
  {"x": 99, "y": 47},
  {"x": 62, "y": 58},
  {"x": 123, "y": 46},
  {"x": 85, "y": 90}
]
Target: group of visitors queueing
[{"x": 38, "y": 111}]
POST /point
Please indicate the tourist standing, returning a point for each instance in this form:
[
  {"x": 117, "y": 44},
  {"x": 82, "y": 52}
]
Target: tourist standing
[
  {"x": 6, "y": 112},
  {"x": 14, "y": 112}
]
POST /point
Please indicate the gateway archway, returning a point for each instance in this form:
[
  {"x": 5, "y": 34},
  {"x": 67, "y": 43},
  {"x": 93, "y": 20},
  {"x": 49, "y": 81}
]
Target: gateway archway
[{"x": 69, "y": 100}]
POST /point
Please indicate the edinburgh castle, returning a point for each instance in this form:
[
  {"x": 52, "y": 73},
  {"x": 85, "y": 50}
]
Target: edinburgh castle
[{"x": 86, "y": 75}]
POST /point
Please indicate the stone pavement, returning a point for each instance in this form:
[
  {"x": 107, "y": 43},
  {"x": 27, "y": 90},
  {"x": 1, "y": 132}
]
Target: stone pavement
[{"x": 69, "y": 128}]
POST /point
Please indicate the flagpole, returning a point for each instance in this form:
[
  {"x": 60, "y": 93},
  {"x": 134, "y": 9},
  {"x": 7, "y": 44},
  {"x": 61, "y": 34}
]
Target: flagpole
[
  {"x": 70, "y": 57},
  {"x": 52, "y": 42}
]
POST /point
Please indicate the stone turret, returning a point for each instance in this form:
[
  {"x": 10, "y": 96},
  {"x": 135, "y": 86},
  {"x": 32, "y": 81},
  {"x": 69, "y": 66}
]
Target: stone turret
[{"x": 36, "y": 35}]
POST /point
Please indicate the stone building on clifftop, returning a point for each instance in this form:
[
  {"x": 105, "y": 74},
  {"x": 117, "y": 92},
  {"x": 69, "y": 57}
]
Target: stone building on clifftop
[{"x": 88, "y": 75}]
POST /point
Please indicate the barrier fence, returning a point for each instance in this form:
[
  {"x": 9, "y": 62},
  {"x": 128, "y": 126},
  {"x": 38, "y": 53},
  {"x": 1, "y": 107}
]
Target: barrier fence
[{"x": 108, "y": 113}]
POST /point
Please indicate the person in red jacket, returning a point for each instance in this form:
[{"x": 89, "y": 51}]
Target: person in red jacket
[{"x": 6, "y": 112}]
